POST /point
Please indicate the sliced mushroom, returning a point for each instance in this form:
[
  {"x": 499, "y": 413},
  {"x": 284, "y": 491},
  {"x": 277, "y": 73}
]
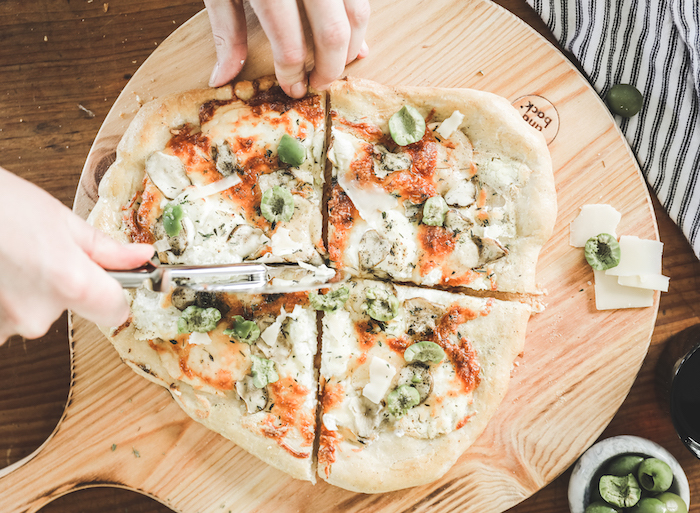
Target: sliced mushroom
[
  {"x": 167, "y": 172},
  {"x": 178, "y": 243},
  {"x": 462, "y": 194},
  {"x": 489, "y": 250},
  {"x": 211, "y": 300},
  {"x": 255, "y": 398},
  {"x": 456, "y": 222},
  {"x": 182, "y": 297},
  {"x": 248, "y": 241},
  {"x": 366, "y": 415},
  {"x": 226, "y": 161},
  {"x": 386, "y": 162},
  {"x": 413, "y": 211},
  {"x": 422, "y": 317},
  {"x": 418, "y": 376},
  {"x": 373, "y": 249}
]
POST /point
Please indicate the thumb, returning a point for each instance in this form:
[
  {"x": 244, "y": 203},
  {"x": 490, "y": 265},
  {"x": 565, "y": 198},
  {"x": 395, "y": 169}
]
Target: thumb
[
  {"x": 228, "y": 26},
  {"x": 104, "y": 251}
]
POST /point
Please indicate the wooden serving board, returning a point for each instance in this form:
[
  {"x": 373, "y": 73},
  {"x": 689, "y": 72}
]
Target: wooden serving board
[{"x": 578, "y": 366}]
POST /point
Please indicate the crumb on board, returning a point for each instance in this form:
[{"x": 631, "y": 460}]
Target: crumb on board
[{"x": 86, "y": 111}]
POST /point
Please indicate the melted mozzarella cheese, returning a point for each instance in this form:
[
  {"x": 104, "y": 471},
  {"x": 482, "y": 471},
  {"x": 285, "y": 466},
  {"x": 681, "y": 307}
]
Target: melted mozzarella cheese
[{"x": 338, "y": 342}]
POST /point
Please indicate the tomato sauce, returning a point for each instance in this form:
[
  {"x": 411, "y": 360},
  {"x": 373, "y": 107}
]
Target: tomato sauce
[
  {"x": 342, "y": 214},
  {"x": 464, "y": 358},
  {"x": 328, "y": 442},
  {"x": 287, "y": 398}
]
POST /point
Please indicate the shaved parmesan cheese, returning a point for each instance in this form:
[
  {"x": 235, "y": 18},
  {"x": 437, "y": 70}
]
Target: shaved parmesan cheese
[
  {"x": 450, "y": 125},
  {"x": 370, "y": 201},
  {"x": 638, "y": 257},
  {"x": 282, "y": 243},
  {"x": 610, "y": 295},
  {"x": 195, "y": 193},
  {"x": 330, "y": 422},
  {"x": 592, "y": 221},
  {"x": 199, "y": 338},
  {"x": 273, "y": 330},
  {"x": 646, "y": 281},
  {"x": 167, "y": 172},
  {"x": 342, "y": 150},
  {"x": 380, "y": 374}
]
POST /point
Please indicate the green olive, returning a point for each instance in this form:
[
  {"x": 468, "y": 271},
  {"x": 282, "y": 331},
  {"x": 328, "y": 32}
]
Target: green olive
[
  {"x": 424, "y": 351},
  {"x": 649, "y": 505},
  {"x": 402, "y": 399},
  {"x": 625, "y": 464},
  {"x": 434, "y": 211},
  {"x": 625, "y": 100},
  {"x": 602, "y": 252},
  {"x": 406, "y": 126},
  {"x": 243, "y": 330},
  {"x": 331, "y": 301},
  {"x": 673, "y": 502},
  {"x": 600, "y": 507},
  {"x": 620, "y": 491},
  {"x": 291, "y": 151},
  {"x": 655, "y": 475},
  {"x": 277, "y": 204},
  {"x": 172, "y": 215},
  {"x": 194, "y": 318},
  {"x": 263, "y": 371},
  {"x": 382, "y": 305}
]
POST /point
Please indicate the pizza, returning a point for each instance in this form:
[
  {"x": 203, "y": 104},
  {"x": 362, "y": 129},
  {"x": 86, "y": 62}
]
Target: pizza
[
  {"x": 469, "y": 204},
  {"x": 435, "y": 202}
]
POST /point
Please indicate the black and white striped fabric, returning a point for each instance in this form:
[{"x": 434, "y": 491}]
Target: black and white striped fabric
[{"x": 655, "y": 46}]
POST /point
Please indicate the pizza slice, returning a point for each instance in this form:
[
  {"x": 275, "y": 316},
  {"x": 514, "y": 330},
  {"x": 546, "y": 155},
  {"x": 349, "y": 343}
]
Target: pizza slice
[
  {"x": 218, "y": 176},
  {"x": 410, "y": 377},
  {"x": 437, "y": 187},
  {"x": 240, "y": 364}
]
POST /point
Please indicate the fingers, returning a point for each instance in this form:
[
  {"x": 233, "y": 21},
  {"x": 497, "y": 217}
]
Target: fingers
[
  {"x": 358, "y": 12},
  {"x": 106, "y": 252},
  {"x": 332, "y": 34},
  {"x": 281, "y": 22},
  {"x": 228, "y": 26}
]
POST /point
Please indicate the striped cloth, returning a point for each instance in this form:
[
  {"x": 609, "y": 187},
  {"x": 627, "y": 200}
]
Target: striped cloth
[{"x": 655, "y": 46}]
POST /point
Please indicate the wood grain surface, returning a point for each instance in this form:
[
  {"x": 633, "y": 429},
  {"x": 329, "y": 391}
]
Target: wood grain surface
[{"x": 155, "y": 444}]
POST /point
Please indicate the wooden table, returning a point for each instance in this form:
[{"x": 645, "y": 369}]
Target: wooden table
[{"x": 62, "y": 65}]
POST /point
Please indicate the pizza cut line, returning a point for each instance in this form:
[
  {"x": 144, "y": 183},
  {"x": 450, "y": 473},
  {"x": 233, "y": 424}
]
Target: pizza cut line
[{"x": 434, "y": 201}]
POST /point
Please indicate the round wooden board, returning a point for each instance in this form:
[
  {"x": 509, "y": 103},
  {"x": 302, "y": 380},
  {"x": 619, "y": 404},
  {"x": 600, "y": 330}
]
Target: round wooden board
[{"x": 578, "y": 365}]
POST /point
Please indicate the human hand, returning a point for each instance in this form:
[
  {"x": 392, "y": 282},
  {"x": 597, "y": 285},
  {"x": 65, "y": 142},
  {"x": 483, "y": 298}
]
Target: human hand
[
  {"x": 52, "y": 260},
  {"x": 338, "y": 28}
]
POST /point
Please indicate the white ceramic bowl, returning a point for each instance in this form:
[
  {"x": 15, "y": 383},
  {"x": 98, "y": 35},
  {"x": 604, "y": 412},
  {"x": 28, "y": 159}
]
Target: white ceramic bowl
[{"x": 590, "y": 465}]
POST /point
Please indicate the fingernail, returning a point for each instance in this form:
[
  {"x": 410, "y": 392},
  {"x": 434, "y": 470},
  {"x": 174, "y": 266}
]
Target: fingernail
[
  {"x": 298, "y": 90},
  {"x": 364, "y": 50},
  {"x": 214, "y": 74}
]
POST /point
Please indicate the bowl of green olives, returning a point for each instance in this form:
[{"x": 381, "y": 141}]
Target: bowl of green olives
[{"x": 628, "y": 474}]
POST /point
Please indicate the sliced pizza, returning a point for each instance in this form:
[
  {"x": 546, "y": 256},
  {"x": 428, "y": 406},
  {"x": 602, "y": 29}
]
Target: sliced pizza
[
  {"x": 410, "y": 377},
  {"x": 240, "y": 364},
  {"x": 437, "y": 187},
  {"x": 217, "y": 176}
]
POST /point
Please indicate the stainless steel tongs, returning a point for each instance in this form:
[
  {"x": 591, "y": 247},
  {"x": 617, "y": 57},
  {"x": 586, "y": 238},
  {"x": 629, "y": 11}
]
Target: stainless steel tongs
[{"x": 246, "y": 277}]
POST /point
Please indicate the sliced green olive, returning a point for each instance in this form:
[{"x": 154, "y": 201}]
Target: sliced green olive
[
  {"x": 602, "y": 252},
  {"x": 434, "y": 211},
  {"x": 243, "y": 330},
  {"x": 194, "y": 318},
  {"x": 424, "y": 351},
  {"x": 600, "y": 507},
  {"x": 331, "y": 301},
  {"x": 655, "y": 475},
  {"x": 263, "y": 371},
  {"x": 382, "y": 305},
  {"x": 277, "y": 204},
  {"x": 291, "y": 151},
  {"x": 621, "y": 491},
  {"x": 402, "y": 399},
  {"x": 674, "y": 503},
  {"x": 407, "y": 126},
  {"x": 625, "y": 100},
  {"x": 172, "y": 217},
  {"x": 625, "y": 464}
]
